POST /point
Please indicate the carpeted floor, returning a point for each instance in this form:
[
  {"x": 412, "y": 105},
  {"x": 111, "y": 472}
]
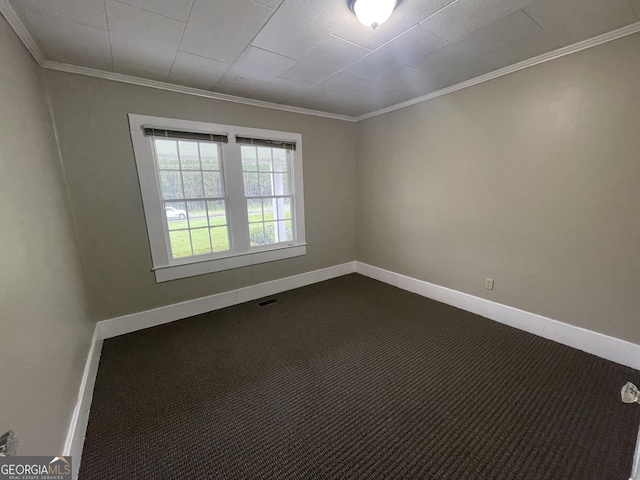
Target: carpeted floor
[{"x": 352, "y": 378}]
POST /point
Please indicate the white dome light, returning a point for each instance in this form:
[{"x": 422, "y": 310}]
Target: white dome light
[{"x": 373, "y": 13}]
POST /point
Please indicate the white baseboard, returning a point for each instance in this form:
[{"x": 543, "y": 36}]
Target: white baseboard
[
  {"x": 603, "y": 346},
  {"x": 158, "y": 316},
  {"x": 635, "y": 471},
  {"x": 78, "y": 427}
]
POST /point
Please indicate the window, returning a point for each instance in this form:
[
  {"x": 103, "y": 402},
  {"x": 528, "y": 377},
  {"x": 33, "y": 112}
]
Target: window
[{"x": 218, "y": 197}]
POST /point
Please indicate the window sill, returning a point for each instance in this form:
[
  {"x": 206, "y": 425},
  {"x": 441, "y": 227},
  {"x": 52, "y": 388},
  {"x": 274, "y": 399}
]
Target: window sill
[{"x": 174, "y": 272}]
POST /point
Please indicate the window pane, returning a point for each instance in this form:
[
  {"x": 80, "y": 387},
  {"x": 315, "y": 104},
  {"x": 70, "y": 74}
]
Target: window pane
[
  {"x": 266, "y": 187},
  {"x": 201, "y": 242},
  {"x": 249, "y": 159},
  {"x": 284, "y": 231},
  {"x": 167, "y": 152},
  {"x": 251, "y": 188},
  {"x": 176, "y": 213},
  {"x": 189, "y": 158},
  {"x": 279, "y": 160},
  {"x": 171, "y": 185},
  {"x": 254, "y": 209},
  {"x": 212, "y": 184},
  {"x": 217, "y": 213},
  {"x": 197, "y": 215},
  {"x": 256, "y": 234},
  {"x": 192, "y": 184},
  {"x": 264, "y": 159},
  {"x": 180, "y": 243},
  {"x": 281, "y": 183},
  {"x": 270, "y": 232},
  {"x": 268, "y": 208},
  {"x": 209, "y": 156},
  {"x": 284, "y": 208},
  {"x": 220, "y": 239}
]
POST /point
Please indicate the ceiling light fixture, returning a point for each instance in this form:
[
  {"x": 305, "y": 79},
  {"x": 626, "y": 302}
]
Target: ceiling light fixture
[{"x": 373, "y": 13}]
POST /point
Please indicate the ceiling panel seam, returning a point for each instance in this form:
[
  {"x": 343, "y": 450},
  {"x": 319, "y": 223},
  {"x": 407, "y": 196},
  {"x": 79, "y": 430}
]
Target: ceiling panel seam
[
  {"x": 250, "y": 44},
  {"x": 106, "y": 19},
  {"x": 149, "y": 11},
  {"x": 184, "y": 27}
]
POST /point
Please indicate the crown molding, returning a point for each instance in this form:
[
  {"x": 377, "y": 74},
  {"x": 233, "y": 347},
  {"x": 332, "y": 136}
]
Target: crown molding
[
  {"x": 18, "y": 26},
  {"x": 561, "y": 52},
  {"x": 143, "y": 82}
]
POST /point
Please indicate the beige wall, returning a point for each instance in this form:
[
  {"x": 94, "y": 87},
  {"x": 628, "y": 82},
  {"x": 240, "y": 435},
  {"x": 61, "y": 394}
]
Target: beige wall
[
  {"x": 91, "y": 117},
  {"x": 44, "y": 334},
  {"x": 532, "y": 179}
]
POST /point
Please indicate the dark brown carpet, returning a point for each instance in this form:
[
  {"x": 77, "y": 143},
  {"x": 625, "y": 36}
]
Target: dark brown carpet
[{"x": 352, "y": 378}]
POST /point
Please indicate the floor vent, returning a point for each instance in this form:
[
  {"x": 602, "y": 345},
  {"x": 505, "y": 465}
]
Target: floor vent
[{"x": 267, "y": 302}]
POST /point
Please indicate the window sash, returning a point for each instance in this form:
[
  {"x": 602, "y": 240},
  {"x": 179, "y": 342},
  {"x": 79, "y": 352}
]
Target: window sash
[
  {"x": 234, "y": 196},
  {"x": 187, "y": 201}
]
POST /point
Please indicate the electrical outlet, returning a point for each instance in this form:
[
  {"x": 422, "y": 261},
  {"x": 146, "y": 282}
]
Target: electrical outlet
[{"x": 488, "y": 283}]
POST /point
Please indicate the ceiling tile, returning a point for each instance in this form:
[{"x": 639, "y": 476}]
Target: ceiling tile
[
  {"x": 405, "y": 81},
  {"x": 374, "y": 104},
  {"x": 462, "y": 72},
  {"x": 592, "y": 15},
  {"x": 142, "y": 43},
  {"x": 260, "y": 64},
  {"x": 278, "y": 90},
  {"x": 175, "y": 9},
  {"x": 344, "y": 105},
  {"x": 298, "y": 25},
  {"x": 573, "y": 28},
  {"x": 464, "y": 16},
  {"x": 306, "y": 103},
  {"x": 68, "y": 42},
  {"x": 341, "y": 83},
  {"x": 197, "y": 72},
  {"x": 327, "y": 95},
  {"x": 403, "y": 49},
  {"x": 440, "y": 60},
  {"x": 85, "y": 12},
  {"x": 236, "y": 85},
  {"x": 269, "y": 3},
  {"x": 254, "y": 67},
  {"x": 222, "y": 30},
  {"x": 323, "y": 60},
  {"x": 505, "y": 30},
  {"x": 524, "y": 49}
]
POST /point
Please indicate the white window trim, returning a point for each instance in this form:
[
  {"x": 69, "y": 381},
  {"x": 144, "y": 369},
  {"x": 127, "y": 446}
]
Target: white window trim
[{"x": 165, "y": 267}]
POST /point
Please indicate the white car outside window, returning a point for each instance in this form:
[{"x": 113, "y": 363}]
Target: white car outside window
[{"x": 175, "y": 214}]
